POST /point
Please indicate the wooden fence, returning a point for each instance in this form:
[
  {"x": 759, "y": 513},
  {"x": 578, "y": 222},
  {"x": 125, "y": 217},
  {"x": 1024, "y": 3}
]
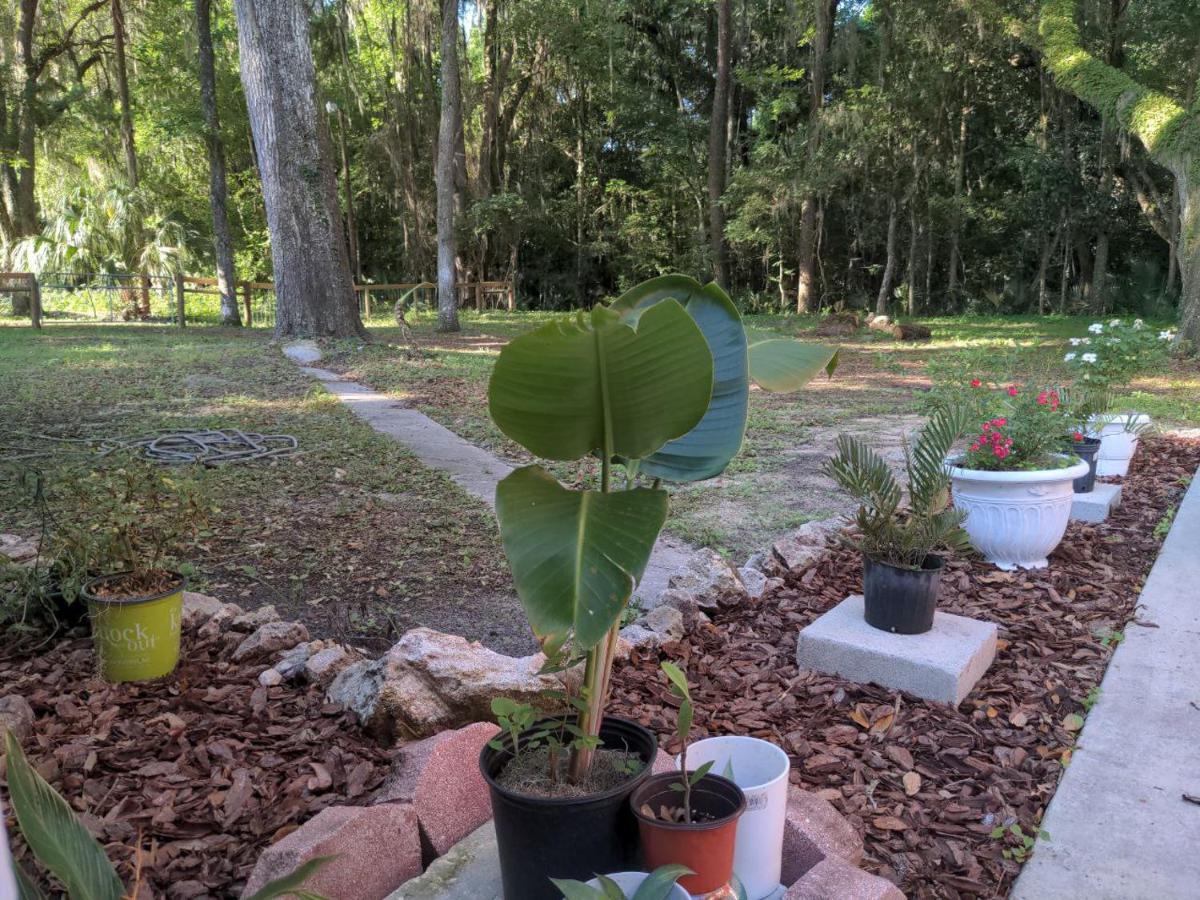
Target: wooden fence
[{"x": 480, "y": 294}]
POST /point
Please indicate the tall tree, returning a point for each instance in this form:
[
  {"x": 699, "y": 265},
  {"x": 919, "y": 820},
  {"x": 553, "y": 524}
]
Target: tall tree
[
  {"x": 218, "y": 192},
  {"x": 444, "y": 173},
  {"x": 314, "y": 292},
  {"x": 1168, "y": 130},
  {"x": 120, "y": 35},
  {"x": 718, "y": 131},
  {"x": 824, "y": 15}
]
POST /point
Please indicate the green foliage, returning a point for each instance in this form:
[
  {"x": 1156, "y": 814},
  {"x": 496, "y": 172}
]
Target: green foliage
[
  {"x": 1111, "y": 355},
  {"x": 885, "y": 531},
  {"x": 1017, "y": 844},
  {"x": 657, "y": 886},
  {"x": 683, "y": 729},
  {"x": 1013, "y": 426}
]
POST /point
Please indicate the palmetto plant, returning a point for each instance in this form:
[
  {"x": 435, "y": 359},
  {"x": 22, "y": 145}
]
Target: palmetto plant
[
  {"x": 888, "y": 531},
  {"x": 63, "y": 845},
  {"x": 656, "y": 384}
]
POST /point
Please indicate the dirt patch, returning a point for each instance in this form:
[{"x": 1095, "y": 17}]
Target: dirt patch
[
  {"x": 929, "y": 785},
  {"x": 191, "y": 775}
]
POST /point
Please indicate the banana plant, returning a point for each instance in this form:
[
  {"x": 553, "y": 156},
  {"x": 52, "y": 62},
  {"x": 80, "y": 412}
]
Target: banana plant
[
  {"x": 658, "y": 885},
  {"x": 658, "y": 384},
  {"x": 61, "y": 843}
]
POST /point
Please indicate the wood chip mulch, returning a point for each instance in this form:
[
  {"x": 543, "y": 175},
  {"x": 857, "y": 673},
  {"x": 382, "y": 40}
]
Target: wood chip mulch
[
  {"x": 192, "y": 775},
  {"x": 927, "y": 785}
]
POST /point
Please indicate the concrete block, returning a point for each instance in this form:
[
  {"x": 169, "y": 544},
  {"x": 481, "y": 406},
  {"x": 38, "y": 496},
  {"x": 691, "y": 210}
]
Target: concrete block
[
  {"x": 814, "y": 831},
  {"x": 833, "y": 879},
  {"x": 941, "y": 665},
  {"x": 1096, "y": 504}
]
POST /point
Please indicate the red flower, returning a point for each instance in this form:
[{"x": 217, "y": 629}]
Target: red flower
[
  {"x": 1077, "y": 436},
  {"x": 1043, "y": 398},
  {"x": 1000, "y": 452},
  {"x": 1000, "y": 423},
  {"x": 975, "y": 446},
  {"x": 987, "y": 426},
  {"x": 975, "y": 382},
  {"x": 1012, "y": 390}
]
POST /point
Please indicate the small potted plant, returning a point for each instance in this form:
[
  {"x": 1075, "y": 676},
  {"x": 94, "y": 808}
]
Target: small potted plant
[
  {"x": 901, "y": 572},
  {"x": 657, "y": 387},
  {"x": 657, "y": 885},
  {"x": 135, "y": 514},
  {"x": 689, "y": 817},
  {"x": 1014, "y": 482},
  {"x": 1104, "y": 363}
]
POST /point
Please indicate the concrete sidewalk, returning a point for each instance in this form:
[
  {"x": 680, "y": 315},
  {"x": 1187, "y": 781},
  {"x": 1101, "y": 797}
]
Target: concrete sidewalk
[{"x": 1119, "y": 826}]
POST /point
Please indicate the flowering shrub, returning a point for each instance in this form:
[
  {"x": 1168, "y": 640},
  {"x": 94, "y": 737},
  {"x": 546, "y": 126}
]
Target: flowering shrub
[
  {"x": 1111, "y": 356},
  {"x": 1020, "y": 427}
]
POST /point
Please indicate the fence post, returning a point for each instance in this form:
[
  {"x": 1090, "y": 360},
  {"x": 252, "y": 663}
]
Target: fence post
[
  {"x": 179, "y": 302},
  {"x": 144, "y": 282},
  {"x": 367, "y": 303},
  {"x": 512, "y": 296},
  {"x": 246, "y": 303},
  {"x": 479, "y": 296},
  {"x": 35, "y": 301}
]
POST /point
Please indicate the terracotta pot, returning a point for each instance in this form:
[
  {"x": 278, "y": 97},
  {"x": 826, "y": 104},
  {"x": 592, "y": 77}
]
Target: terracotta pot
[{"x": 706, "y": 846}]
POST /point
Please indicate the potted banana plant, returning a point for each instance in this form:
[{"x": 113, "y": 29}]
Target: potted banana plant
[{"x": 656, "y": 385}]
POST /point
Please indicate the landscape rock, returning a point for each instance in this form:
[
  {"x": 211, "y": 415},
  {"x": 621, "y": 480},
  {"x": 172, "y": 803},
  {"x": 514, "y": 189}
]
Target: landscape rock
[
  {"x": 708, "y": 577},
  {"x": 270, "y": 678},
  {"x": 661, "y": 624},
  {"x": 832, "y": 879},
  {"x": 255, "y": 618},
  {"x": 16, "y": 715},
  {"x": 219, "y": 621},
  {"x": 879, "y": 323},
  {"x": 440, "y": 777},
  {"x": 687, "y": 605},
  {"x": 322, "y": 666},
  {"x": 292, "y": 661},
  {"x": 199, "y": 608},
  {"x": 754, "y": 580},
  {"x": 431, "y": 681},
  {"x": 18, "y": 549},
  {"x": 270, "y": 638},
  {"x": 815, "y": 831},
  {"x": 376, "y": 849},
  {"x": 806, "y": 543}
]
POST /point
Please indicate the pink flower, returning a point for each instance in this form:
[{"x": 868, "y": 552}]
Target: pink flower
[
  {"x": 1043, "y": 398},
  {"x": 1077, "y": 436},
  {"x": 1012, "y": 390},
  {"x": 975, "y": 382},
  {"x": 987, "y": 426},
  {"x": 975, "y": 446},
  {"x": 1000, "y": 452},
  {"x": 1000, "y": 423}
]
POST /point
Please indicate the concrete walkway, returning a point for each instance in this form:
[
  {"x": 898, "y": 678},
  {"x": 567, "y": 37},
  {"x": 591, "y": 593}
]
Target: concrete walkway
[
  {"x": 1119, "y": 826},
  {"x": 471, "y": 468}
]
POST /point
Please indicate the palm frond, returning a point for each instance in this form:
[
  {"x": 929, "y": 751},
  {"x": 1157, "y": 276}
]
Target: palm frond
[{"x": 864, "y": 475}]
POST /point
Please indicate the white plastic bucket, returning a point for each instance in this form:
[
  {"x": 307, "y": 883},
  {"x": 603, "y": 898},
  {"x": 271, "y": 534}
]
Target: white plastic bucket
[
  {"x": 1118, "y": 441},
  {"x": 760, "y": 769}
]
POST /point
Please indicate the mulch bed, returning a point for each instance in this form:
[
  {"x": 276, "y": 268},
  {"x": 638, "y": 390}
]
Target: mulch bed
[
  {"x": 192, "y": 775},
  {"x": 927, "y": 785}
]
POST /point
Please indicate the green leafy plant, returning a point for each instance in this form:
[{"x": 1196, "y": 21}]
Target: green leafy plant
[
  {"x": 1017, "y": 844},
  {"x": 886, "y": 531},
  {"x": 1112, "y": 355},
  {"x": 656, "y": 886},
  {"x": 683, "y": 728},
  {"x": 1020, "y": 427},
  {"x": 60, "y": 842},
  {"x": 657, "y": 384}
]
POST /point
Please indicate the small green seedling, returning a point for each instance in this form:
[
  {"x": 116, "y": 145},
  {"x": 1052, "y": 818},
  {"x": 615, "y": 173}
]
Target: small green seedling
[
  {"x": 657, "y": 886},
  {"x": 683, "y": 728},
  {"x": 1020, "y": 844}
]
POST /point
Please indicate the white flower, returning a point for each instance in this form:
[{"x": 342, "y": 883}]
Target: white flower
[
  {"x": 1139, "y": 324},
  {"x": 1088, "y": 357},
  {"x": 1166, "y": 335},
  {"x": 1069, "y": 357},
  {"x": 1075, "y": 342},
  {"x": 1096, "y": 328},
  {"x": 1114, "y": 340},
  {"x": 1115, "y": 323}
]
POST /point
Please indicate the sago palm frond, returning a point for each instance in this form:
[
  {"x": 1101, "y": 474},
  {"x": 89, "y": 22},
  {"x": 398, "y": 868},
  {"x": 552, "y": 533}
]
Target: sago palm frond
[
  {"x": 864, "y": 475},
  {"x": 928, "y": 481}
]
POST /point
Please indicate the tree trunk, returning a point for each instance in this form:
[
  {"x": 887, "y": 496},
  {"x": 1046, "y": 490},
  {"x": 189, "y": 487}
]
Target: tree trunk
[
  {"x": 1188, "y": 199},
  {"x": 960, "y": 180},
  {"x": 218, "y": 193},
  {"x": 718, "y": 128},
  {"x": 889, "y": 270},
  {"x": 314, "y": 293},
  {"x": 447, "y": 244},
  {"x": 127, "y": 143},
  {"x": 824, "y": 13},
  {"x": 914, "y": 244}
]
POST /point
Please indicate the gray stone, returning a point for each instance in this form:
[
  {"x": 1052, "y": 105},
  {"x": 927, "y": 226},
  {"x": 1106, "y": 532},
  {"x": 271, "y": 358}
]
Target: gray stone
[
  {"x": 270, "y": 678},
  {"x": 323, "y": 665},
  {"x": 270, "y": 638},
  {"x": 199, "y": 608},
  {"x": 1096, "y": 504},
  {"x": 1119, "y": 825},
  {"x": 469, "y": 871},
  {"x": 291, "y": 662},
  {"x": 661, "y": 624},
  {"x": 806, "y": 543},
  {"x": 16, "y": 715},
  {"x": 707, "y": 577},
  {"x": 941, "y": 665},
  {"x": 255, "y": 618},
  {"x": 220, "y": 620},
  {"x": 754, "y": 580},
  {"x": 303, "y": 352}
]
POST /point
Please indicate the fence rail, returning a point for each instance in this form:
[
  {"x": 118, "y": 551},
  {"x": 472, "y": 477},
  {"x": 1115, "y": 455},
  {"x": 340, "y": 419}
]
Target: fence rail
[{"x": 113, "y": 296}]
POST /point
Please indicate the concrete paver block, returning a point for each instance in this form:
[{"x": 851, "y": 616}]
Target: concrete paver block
[
  {"x": 941, "y": 665},
  {"x": 814, "y": 831},
  {"x": 1096, "y": 504},
  {"x": 833, "y": 879}
]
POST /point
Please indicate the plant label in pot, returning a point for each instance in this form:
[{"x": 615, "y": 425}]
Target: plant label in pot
[{"x": 760, "y": 769}]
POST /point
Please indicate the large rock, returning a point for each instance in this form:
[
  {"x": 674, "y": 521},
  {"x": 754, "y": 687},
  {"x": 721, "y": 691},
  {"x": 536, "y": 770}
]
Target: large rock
[
  {"x": 255, "y": 618},
  {"x": 430, "y": 681},
  {"x": 440, "y": 777},
  {"x": 708, "y": 577},
  {"x": 657, "y": 627},
  {"x": 322, "y": 666},
  {"x": 270, "y": 638},
  {"x": 802, "y": 546},
  {"x": 199, "y": 608},
  {"x": 375, "y": 848},
  {"x": 16, "y": 715}
]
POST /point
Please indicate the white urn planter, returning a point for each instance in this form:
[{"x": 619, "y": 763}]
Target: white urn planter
[
  {"x": 1118, "y": 441},
  {"x": 760, "y": 769},
  {"x": 1015, "y": 519}
]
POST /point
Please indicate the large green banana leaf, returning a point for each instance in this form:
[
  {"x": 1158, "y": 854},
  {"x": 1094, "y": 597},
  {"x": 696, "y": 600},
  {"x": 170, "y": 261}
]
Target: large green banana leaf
[
  {"x": 56, "y": 837},
  {"x": 596, "y": 383},
  {"x": 576, "y": 556},
  {"x": 781, "y": 365},
  {"x": 706, "y": 450}
]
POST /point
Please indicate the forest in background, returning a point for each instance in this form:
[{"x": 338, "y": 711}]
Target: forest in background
[{"x": 913, "y": 154}]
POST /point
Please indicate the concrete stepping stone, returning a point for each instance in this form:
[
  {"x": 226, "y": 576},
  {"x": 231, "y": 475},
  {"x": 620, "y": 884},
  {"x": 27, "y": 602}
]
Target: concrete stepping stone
[
  {"x": 941, "y": 665},
  {"x": 1096, "y": 504}
]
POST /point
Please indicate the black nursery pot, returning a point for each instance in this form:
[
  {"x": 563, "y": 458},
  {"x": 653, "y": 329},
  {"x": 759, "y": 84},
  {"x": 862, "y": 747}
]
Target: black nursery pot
[
  {"x": 902, "y": 601},
  {"x": 540, "y": 838},
  {"x": 1086, "y": 450}
]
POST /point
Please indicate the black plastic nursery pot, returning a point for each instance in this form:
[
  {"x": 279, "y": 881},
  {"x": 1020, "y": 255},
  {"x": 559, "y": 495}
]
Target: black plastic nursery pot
[
  {"x": 1086, "y": 450},
  {"x": 540, "y": 838},
  {"x": 898, "y": 600}
]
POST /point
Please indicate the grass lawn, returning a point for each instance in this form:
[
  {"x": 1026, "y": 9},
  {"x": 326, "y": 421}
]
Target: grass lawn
[
  {"x": 352, "y": 535},
  {"x": 775, "y": 484}
]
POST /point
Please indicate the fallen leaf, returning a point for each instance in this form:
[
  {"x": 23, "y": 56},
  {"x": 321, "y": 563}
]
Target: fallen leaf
[
  {"x": 889, "y": 823},
  {"x": 912, "y": 783},
  {"x": 1018, "y": 718},
  {"x": 1072, "y": 722}
]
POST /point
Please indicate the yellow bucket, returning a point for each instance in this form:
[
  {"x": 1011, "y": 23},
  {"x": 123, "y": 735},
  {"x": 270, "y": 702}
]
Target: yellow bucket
[{"x": 136, "y": 638}]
